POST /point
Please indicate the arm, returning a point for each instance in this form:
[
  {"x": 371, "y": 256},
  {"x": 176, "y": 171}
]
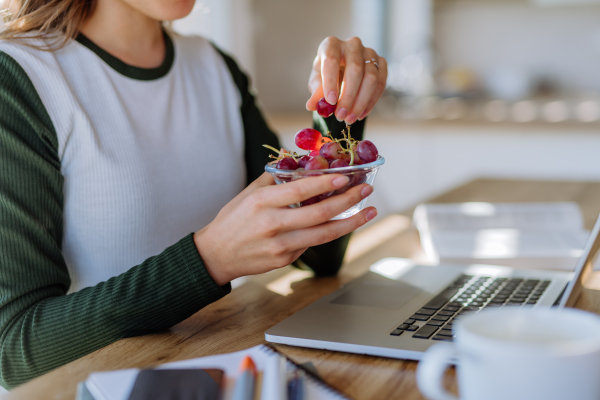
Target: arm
[
  {"x": 325, "y": 259},
  {"x": 41, "y": 327}
]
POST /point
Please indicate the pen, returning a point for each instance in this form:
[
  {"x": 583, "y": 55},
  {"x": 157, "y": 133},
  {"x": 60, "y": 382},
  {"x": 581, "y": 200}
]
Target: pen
[
  {"x": 296, "y": 386},
  {"x": 244, "y": 385},
  {"x": 275, "y": 379}
]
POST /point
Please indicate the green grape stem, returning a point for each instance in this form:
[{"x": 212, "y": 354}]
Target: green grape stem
[
  {"x": 292, "y": 154},
  {"x": 347, "y": 138},
  {"x": 350, "y": 143}
]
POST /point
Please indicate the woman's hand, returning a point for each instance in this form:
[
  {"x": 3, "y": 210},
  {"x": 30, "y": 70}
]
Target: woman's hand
[
  {"x": 341, "y": 64},
  {"x": 257, "y": 232}
]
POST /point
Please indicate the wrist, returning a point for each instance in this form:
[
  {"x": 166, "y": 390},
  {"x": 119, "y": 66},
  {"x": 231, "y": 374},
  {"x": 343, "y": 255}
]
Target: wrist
[{"x": 216, "y": 272}]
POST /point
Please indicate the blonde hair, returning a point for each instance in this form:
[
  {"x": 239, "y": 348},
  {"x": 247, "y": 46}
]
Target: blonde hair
[{"x": 55, "y": 21}]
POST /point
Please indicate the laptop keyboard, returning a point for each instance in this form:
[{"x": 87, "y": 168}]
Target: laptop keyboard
[{"x": 469, "y": 294}]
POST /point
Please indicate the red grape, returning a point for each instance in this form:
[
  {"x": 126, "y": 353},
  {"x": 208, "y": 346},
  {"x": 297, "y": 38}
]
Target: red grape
[
  {"x": 339, "y": 164},
  {"x": 317, "y": 162},
  {"x": 357, "y": 160},
  {"x": 326, "y": 195},
  {"x": 314, "y": 153},
  {"x": 287, "y": 163},
  {"x": 302, "y": 161},
  {"x": 367, "y": 151},
  {"x": 312, "y": 200},
  {"x": 324, "y": 109},
  {"x": 346, "y": 157},
  {"x": 331, "y": 151},
  {"x": 316, "y": 199},
  {"x": 308, "y": 139}
]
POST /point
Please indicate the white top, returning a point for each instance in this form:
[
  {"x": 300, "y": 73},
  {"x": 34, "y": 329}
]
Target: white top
[{"x": 170, "y": 149}]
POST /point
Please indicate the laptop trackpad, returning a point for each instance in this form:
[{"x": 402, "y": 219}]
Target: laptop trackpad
[{"x": 378, "y": 295}]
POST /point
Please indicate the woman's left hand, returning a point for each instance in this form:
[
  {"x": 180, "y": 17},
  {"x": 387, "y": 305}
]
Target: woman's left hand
[{"x": 347, "y": 66}]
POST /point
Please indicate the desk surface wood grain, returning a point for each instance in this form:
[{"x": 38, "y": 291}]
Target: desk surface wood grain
[{"x": 239, "y": 320}]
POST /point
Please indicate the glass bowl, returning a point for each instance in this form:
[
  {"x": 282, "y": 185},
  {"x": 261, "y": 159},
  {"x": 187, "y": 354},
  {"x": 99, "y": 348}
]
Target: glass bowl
[{"x": 358, "y": 174}]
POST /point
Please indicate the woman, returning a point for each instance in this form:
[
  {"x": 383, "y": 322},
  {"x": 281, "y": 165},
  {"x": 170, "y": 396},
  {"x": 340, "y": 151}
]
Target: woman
[{"x": 117, "y": 140}]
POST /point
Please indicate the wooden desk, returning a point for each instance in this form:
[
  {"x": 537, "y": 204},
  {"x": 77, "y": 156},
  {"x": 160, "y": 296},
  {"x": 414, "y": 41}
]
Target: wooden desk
[{"x": 239, "y": 320}]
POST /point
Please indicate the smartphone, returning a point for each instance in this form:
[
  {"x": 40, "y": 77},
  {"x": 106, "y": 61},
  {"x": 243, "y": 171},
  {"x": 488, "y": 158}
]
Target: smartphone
[{"x": 181, "y": 384}]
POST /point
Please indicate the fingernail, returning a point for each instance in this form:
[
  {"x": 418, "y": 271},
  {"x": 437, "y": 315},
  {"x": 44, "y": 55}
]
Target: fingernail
[
  {"x": 340, "y": 181},
  {"x": 363, "y": 115},
  {"x": 307, "y": 106},
  {"x": 366, "y": 191},
  {"x": 332, "y": 97},
  {"x": 341, "y": 114},
  {"x": 371, "y": 214},
  {"x": 351, "y": 119}
]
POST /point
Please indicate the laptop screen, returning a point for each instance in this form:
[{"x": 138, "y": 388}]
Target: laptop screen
[{"x": 585, "y": 267}]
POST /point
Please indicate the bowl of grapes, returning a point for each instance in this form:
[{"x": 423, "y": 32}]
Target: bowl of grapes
[{"x": 358, "y": 160}]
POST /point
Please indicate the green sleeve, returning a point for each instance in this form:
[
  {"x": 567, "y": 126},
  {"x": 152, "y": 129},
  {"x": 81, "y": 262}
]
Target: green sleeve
[
  {"x": 327, "y": 258},
  {"x": 42, "y": 327}
]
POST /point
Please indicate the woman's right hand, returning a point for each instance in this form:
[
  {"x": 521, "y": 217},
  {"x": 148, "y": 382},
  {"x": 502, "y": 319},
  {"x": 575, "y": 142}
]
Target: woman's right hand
[{"x": 257, "y": 232}]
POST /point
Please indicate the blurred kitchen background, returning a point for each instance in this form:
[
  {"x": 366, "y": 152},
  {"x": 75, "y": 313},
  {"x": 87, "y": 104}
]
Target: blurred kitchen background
[{"x": 477, "y": 88}]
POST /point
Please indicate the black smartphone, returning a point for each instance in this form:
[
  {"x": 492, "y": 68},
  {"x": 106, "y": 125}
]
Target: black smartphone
[{"x": 178, "y": 384}]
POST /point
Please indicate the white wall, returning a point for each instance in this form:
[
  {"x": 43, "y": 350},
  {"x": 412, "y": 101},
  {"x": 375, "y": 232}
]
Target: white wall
[
  {"x": 410, "y": 26},
  {"x": 228, "y": 23},
  {"x": 370, "y": 23},
  {"x": 560, "y": 42}
]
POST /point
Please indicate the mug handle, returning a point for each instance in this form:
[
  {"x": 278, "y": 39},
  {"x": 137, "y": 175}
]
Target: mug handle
[{"x": 431, "y": 369}]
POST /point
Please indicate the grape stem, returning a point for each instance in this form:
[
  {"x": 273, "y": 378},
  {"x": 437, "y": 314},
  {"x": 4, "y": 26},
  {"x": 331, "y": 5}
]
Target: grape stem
[
  {"x": 272, "y": 148},
  {"x": 282, "y": 155},
  {"x": 350, "y": 143}
]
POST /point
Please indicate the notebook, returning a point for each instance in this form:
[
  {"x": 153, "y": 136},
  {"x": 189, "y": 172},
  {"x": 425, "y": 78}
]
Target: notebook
[
  {"x": 520, "y": 235},
  {"x": 117, "y": 385}
]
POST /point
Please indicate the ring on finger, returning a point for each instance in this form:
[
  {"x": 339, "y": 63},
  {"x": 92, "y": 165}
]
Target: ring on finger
[{"x": 372, "y": 60}]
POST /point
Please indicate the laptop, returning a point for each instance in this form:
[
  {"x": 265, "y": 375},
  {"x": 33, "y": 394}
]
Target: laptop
[{"x": 399, "y": 309}]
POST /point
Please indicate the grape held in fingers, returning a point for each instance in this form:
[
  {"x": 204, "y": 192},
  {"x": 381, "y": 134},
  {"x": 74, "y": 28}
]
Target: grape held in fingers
[{"x": 324, "y": 109}]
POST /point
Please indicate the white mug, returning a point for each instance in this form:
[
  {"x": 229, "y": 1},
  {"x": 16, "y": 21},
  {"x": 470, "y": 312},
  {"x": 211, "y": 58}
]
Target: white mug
[{"x": 518, "y": 354}]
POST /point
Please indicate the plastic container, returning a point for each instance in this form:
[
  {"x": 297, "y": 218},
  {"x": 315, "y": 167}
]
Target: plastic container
[{"x": 358, "y": 174}]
